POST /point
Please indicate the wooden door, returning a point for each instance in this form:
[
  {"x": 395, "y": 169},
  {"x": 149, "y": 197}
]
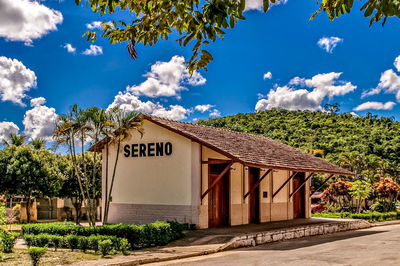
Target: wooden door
[
  {"x": 218, "y": 197},
  {"x": 299, "y": 197},
  {"x": 254, "y": 197}
]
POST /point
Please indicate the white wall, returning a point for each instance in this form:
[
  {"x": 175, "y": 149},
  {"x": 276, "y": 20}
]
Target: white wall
[{"x": 153, "y": 180}]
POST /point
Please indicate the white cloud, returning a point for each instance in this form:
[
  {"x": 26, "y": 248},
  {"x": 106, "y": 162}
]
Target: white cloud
[
  {"x": 371, "y": 92},
  {"x": 389, "y": 82},
  {"x": 26, "y": 20},
  {"x": 39, "y": 122},
  {"x": 38, "y": 101},
  {"x": 215, "y": 113},
  {"x": 131, "y": 103},
  {"x": 258, "y": 4},
  {"x": 94, "y": 25},
  {"x": 15, "y": 80},
  {"x": 175, "y": 112},
  {"x": 70, "y": 48},
  {"x": 93, "y": 50},
  {"x": 329, "y": 43},
  {"x": 7, "y": 128},
  {"x": 97, "y": 25},
  {"x": 203, "y": 108},
  {"x": 375, "y": 106},
  {"x": 267, "y": 75},
  {"x": 166, "y": 79},
  {"x": 290, "y": 98},
  {"x": 397, "y": 63},
  {"x": 354, "y": 114}
]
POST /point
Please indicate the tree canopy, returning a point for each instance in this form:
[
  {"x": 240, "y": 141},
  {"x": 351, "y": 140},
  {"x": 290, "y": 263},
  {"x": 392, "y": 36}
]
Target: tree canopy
[
  {"x": 202, "y": 22},
  {"x": 331, "y": 134}
]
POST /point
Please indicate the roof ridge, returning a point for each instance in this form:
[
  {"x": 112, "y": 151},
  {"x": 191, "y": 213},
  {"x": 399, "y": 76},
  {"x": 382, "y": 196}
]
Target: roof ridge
[{"x": 216, "y": 128}]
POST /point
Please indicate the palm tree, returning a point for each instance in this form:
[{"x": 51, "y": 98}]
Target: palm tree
[
  {"x": 38, "y": 144},
  {"x": 73, "y": 129},
  {"x": 123, "y": 123},
  {"x": 15, "y": 140}
]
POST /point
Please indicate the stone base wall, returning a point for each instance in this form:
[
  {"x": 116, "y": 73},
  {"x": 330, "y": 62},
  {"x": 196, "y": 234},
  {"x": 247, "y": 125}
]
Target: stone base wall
[
  {"x": 148, "y": 213},
  {"x": 297, "y": 232}
]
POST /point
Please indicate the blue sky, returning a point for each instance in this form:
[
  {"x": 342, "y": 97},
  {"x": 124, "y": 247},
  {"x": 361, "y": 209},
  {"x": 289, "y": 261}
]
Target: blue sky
[{"x": 40, "y": 78}]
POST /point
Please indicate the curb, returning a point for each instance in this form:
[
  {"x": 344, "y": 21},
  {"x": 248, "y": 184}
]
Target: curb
[
  {"x": 260, "y": 238},
  {"x": 385, "y": 223}
]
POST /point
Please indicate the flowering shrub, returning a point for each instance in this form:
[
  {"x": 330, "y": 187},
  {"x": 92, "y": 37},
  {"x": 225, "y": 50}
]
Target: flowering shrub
[
  {"x": 387, "y": 188},
  {"x": 338, "y": 193},
  {"x": 387, "y": 191}
]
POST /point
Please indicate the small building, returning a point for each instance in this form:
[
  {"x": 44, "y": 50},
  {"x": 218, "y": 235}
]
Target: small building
[{"x": 207, "y": 176}]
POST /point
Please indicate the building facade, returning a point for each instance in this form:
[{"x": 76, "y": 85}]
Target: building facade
[{"x": 207, "y": 177}]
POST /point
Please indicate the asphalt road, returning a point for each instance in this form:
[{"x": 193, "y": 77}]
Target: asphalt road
[{"x": 372, "y": 246}]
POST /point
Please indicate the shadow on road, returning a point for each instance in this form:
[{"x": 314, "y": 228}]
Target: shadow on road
[{"x": 313, "y": 240}]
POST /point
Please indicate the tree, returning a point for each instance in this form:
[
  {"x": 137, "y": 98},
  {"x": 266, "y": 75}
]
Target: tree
[
  {"x": 201, "y": 21},
  {"x": 123, "y": 123},
  {"x": 76, "y": 129},
  {"x": 38, "y": 143},
  {"x": 388, "y": 191},
  {"x": 15, "y": 140},
  {"x": 332, "y": 108},
  {"x": 376, "y": 10},
  {"x": 70, "y": 186},
  {"x": 338, "y": 193},
  {"x": 360, "y": 190},
  {"x": 73, "y": 129},
  {"x": 30, "y": 173}
]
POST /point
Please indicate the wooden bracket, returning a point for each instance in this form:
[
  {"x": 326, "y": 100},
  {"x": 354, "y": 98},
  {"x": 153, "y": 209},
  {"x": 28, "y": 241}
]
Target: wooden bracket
[
  {"x": 302, "y": 184},
  {"x": 219, "y": 177},
  {"x": 323, "y": 183},
  {"x": 284, "y": 184},
  {"x": 251, "y": 190},
  {"x": 216, "y": 161}
]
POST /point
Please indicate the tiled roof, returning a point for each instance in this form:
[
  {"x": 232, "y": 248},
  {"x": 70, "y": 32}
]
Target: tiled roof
[{"x": 246, "y": 148}]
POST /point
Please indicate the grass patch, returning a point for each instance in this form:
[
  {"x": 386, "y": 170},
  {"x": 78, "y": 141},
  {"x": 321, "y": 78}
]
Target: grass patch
[{"x": 20, "y": 257}]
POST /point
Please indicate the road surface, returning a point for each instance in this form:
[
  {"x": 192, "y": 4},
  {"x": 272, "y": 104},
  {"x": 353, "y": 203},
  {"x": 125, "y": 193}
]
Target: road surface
[{"x": 372, "y": 246}]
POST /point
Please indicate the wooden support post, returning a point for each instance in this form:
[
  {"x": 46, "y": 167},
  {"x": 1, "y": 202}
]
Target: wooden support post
[
  {"x": 227, "y": 168},
  {"x": 284, "y": 184},
  {"x": 257, "y": 184},
  {"x": 302, "y": 184},
  {"x": 323, "y": 183}
]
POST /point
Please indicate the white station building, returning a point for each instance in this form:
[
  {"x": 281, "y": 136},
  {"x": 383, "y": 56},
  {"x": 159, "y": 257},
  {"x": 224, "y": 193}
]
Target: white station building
[{"x": 207, "y": 176}]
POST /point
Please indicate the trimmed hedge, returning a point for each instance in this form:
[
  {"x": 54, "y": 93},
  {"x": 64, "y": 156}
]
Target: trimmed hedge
[
  {"x": 74, "y": 242},
  {"x": 369, "y": 215},
  {"x": 7, "y": 240},
  {"x": 138, "y": 236}
]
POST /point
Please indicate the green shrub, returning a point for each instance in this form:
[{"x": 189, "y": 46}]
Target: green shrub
[
  {"x": 105, "y": 247},
  {"x": 368, "y": 215},
  {"x": 83, "y": 243},
  {"x": 55, "y": 241},
  {"x": 124, "y": 247},
  {"x": 28, "y": 239},
  {"x": 75, "y": 242},
  {"x": 93, "y": 242},
  {"x": 138, "y": 236},
  {"x": 72, "y": 241},
  {"x": 7, "y": 240},
  {"x": 36, "y": 254}
]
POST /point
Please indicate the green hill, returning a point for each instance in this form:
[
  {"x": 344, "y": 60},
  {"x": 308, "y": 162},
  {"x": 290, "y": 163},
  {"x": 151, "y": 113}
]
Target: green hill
[{"x": 312, "y": 131}]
